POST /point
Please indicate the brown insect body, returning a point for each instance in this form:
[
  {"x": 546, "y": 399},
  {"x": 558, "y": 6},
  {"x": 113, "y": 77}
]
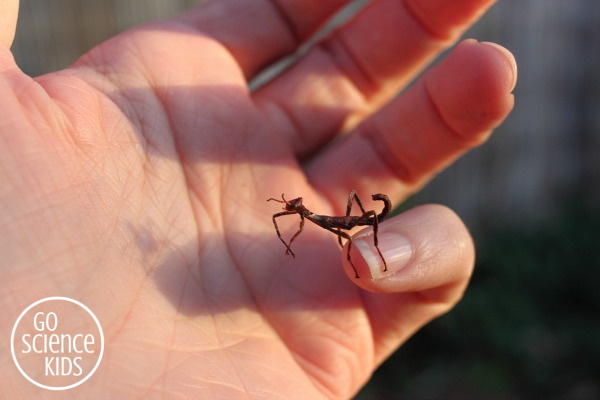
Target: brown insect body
[{"x": 335, "y": 224}]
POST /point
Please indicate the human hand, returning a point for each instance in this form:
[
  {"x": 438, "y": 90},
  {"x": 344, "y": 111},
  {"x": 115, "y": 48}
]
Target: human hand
[{"x": 135, "y": 181}]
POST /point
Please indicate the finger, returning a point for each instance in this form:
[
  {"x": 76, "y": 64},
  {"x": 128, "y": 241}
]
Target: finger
[
  {"x": 258, "y": 32},
  {"x": 430, "y": 257},
  {"x": 452, "y": 108},
  {"x": 361, "y": 66},
  {"x": 8, "y": 21}
]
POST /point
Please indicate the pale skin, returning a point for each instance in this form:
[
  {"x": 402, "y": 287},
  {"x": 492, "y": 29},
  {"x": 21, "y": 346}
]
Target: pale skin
[{"x": 135, "y": 181}]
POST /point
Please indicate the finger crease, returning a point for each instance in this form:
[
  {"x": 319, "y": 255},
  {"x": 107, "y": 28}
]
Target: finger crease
[
  {"x": 359, "y": 73},
  {"x": 286, "y": 19},
  {"x": 395, "y": 165},
  {"x": 438, "y": 112},
  {"x": 415, "y": 16}
]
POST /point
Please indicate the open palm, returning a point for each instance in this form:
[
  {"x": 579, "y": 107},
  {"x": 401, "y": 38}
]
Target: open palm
[{"x": 136, "y": 182}]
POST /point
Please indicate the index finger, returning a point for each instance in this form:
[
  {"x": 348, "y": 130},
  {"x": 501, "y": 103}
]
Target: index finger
[{"x": 258, "y": 32}]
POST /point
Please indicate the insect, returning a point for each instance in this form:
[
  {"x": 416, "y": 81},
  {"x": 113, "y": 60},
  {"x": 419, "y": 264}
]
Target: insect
[{"x": 335, "y": 224}]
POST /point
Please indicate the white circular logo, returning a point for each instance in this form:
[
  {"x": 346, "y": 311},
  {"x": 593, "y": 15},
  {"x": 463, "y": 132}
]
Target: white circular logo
[{"x": 57, "y": 343}]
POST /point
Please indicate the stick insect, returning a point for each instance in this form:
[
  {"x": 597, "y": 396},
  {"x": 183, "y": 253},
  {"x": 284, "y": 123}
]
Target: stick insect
[{"x": 335, "y": 224}]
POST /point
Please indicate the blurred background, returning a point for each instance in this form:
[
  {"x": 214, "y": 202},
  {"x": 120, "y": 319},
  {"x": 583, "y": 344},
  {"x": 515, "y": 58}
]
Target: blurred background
[{"x": 529, "y": 324}]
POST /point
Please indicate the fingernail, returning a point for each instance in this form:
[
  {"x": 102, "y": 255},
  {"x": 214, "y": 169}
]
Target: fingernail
[
  {"x": 395, "y": 248},
  {"x": 511, "y": 60}
]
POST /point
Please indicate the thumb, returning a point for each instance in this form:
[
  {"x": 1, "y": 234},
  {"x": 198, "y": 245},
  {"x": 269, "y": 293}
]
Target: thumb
[
  {"x": 8, "y": 21},
  {"x": 425, "y": 248},
  {"x": 429, "y": 255}
]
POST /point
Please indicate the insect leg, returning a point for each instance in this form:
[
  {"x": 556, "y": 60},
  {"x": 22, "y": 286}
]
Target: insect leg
[
  {"x": 353, "y": 196},
  {"x": 287, "y": 246},
  {"x": 289, "y": 251},
  {"x": 344, "y": 235},
  {"x": 375, "y": 241},
  {"x": 366, "y": 219}
]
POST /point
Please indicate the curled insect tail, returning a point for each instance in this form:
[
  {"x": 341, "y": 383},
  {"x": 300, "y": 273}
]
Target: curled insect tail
[{"x": 387, "y": 205}]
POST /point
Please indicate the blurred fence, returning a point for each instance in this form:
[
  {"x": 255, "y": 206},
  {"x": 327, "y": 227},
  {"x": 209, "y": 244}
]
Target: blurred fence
[
  {"x": 546, "y": 153},
  {"x": 52, "y": 34}
]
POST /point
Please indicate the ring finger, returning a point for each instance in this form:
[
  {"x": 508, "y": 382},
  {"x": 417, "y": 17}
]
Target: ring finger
[{"x": 452, "y": 108}]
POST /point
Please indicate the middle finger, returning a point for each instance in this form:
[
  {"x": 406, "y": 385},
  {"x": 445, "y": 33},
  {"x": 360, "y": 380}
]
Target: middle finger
[{"x": 360, "y": 66}]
